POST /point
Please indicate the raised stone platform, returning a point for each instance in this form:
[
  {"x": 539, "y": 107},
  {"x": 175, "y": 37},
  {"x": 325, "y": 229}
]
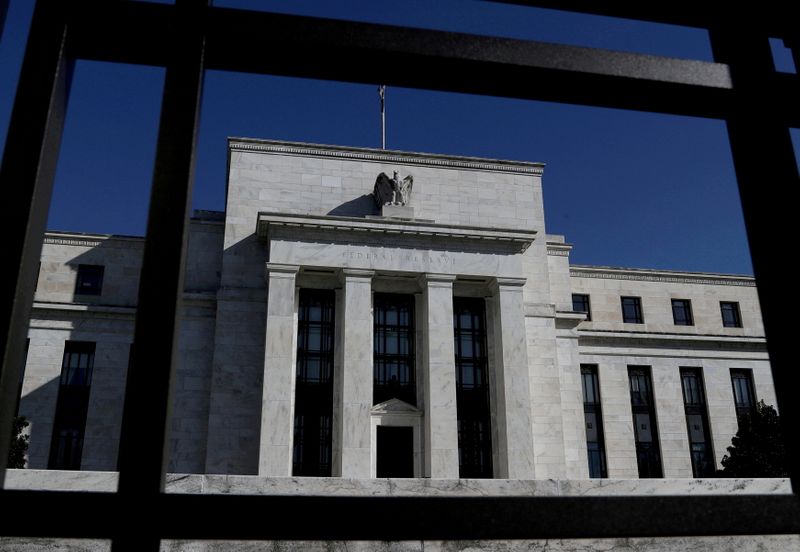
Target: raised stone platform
[
  {"x": 335, "y": 486},
  {"x": 255, "y": 485}
]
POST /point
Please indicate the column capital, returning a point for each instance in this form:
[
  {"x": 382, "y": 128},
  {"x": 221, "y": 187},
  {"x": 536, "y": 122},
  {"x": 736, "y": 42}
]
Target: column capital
[
  {"x": 278, "y": 270},
  {"x": 355, "y": 273},
  {"x": 507, "y": 283},
  {"x": 437, "y": 280}
]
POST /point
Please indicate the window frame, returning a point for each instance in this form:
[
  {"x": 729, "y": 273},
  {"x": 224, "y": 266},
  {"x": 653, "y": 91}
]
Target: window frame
[
  {"x": 686, "y": 306},
  {"x": 734, "y": 310},
  {"x": 87, "y": 273},
  {"x": 638, "y": 310},
  {"x": 584, "y": 298}
]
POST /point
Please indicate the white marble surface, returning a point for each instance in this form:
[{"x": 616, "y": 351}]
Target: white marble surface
[
  {"x": 354, "y": 377},
  {"x": 441, "y": 423},
  {"x": 336, "y": 486},
  {"x": 280, "y": 350},
  {"x": 512, "y": 384}
]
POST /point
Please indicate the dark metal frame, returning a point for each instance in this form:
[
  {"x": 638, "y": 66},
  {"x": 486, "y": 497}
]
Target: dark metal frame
[
  {"x": 648, "y": 454},
  {"x": 741, "y": 88},
  {"x": 694, "y": 404},
  {"x": 737, "y": 314},
  {"x": 634, "y": 303},
  {"x": 593, "y": 405},
  {"x": 473, "y": 402},
  {"x": 313, "y": 412},
  {"x": 384, "y": 390},
  {"x": 684, "y": 305}
]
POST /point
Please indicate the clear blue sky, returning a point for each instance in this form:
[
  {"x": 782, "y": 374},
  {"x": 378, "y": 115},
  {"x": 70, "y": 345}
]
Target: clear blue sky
[{"x": 626, "y": 188}]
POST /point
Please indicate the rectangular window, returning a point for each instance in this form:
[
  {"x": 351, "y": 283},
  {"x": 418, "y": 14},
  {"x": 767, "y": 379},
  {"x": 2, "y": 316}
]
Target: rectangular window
[
  {"x": 472, "y": 389},
  {"x": 731, "y": 317},
  {"x": 682, "y": 312},
  {"x": 90, "y": 280},
  {"x": 593, "y": 415},
  {"x": 648, "y": 455},
  {"x": 744, "y": 396},
  {"x": 580, "y": 303},
  {"x": 72, "y": 406},
  {"x": 632, "y": 310},
  {"x": 393, "y": 358},
  {"x": 694, "y": 404},
  {"x": 313, "y": 412}
]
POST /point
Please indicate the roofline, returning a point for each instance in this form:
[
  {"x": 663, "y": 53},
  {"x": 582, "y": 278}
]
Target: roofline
[
  {"x": 649, "y": 274},
  {"x": 375, "y": 155}
]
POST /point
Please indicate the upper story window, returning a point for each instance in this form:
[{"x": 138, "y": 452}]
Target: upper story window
[
  {"x": 580, "y": 303},
  {"x": 682, "y": 312},
  {"x": 632, "y": 310},
  {"x": 731, "y": 316},
  {"x": 394, "y": 348},
  {"x": 90, "y": 280}
]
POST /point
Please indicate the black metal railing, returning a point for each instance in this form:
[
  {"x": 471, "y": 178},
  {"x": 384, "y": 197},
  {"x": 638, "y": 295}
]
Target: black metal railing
[{"x": 740, "y": 87}]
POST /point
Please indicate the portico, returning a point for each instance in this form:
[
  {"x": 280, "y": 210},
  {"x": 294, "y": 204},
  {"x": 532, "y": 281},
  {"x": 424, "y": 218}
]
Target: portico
[{"x": 432, "y": 263}]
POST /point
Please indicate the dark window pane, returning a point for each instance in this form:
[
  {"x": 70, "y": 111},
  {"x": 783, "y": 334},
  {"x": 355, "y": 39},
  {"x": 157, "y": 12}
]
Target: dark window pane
[
  {"x": 648, "y": 455},
  {"x": 682, "y": 312},
  {"x": 694, "y": 403},
  {"x": 580, "y": 303},
  {"x": 72, "y": 406},
  {"x": 594, "y": 421},
  {"x": 731, "y": 317},
  {"x": 312, "y": 449},
  {"x": 90, "y": 280},
  {"x": 393, "y": 356},
  {"x": 472, "y": 389},
  {"x": 632, "y": 310},
  {"x": 744, "y": 396}
]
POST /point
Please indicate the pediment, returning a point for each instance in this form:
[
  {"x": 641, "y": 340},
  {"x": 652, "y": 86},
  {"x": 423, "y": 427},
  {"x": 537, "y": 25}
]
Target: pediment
[{"x": 396, "y": 406}]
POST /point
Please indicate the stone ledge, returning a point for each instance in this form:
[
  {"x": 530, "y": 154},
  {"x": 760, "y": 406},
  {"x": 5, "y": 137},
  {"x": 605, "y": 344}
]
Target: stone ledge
[{"x": 334, "y": 486}]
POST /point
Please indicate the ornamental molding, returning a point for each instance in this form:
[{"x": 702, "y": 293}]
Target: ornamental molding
[
  {"x": 72, "y": 241},
  {"x": 518, "y": 239},
  {"x": 644, "y": 275},
  {"x": 558, "y": 250},
  {"x": 389, "y": 157}
]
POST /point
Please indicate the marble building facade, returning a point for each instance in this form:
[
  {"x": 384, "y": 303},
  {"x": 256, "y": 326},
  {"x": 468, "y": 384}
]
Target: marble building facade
[{"x": 573, "y": 370}]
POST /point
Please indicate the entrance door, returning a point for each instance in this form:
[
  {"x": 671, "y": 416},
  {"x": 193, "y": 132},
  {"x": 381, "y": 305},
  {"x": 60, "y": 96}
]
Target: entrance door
[{"x": 395, "y": 451}]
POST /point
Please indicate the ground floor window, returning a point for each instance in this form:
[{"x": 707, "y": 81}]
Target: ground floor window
[
  {"x": 72, "y": 406},
  {"x": 648, "y": 454},
  {"x": 593, "y": 415},
  {"x": 472, "y": 389},
  {"x": 313, "y": 413},
  {"x": 694, "y": 404}
]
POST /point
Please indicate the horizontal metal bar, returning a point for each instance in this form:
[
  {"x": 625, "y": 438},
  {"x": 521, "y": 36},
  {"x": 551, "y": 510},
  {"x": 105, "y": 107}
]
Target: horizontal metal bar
[
  {"x": 267, "y": 43},
  {"x": 773, "y": 18},
  {"x": 399, "y": 518}
]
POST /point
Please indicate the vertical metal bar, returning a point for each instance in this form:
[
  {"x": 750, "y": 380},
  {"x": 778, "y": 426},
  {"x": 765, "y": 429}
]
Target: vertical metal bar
[
  {"x": 3, "y": 12},
  {"x": 767, "y": 175},
  {"x": 143, "y": 452},
  {"x": 26, "y": 182}
]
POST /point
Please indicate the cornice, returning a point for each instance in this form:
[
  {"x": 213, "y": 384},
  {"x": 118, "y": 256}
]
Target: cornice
[
  {"x": 558, "y": 249},
  {"x": 666, "y": 276},
  {"x": 384, "y": 156},
  {"x": 392, "y": 228},
  {"x": 80, "y": 239}
]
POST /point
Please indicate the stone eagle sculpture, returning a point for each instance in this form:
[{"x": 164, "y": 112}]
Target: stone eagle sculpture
[{"x": 392, "y": 191}]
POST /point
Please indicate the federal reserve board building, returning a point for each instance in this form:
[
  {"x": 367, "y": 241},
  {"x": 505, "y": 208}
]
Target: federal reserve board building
[{"x": 366, "y": 322}]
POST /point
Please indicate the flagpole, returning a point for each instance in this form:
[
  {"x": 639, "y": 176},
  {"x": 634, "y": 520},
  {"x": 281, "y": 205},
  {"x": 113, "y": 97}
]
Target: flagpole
[{"x": 382, "y": 93}]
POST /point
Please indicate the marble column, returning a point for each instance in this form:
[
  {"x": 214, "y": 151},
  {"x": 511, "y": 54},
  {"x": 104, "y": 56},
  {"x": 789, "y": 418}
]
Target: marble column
[
  {"x": 441, "y": 422},
  {"x": 353, "y": 376},
  {"x": 511, "y": 382},
  {"x": 280, "y": 351}
]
